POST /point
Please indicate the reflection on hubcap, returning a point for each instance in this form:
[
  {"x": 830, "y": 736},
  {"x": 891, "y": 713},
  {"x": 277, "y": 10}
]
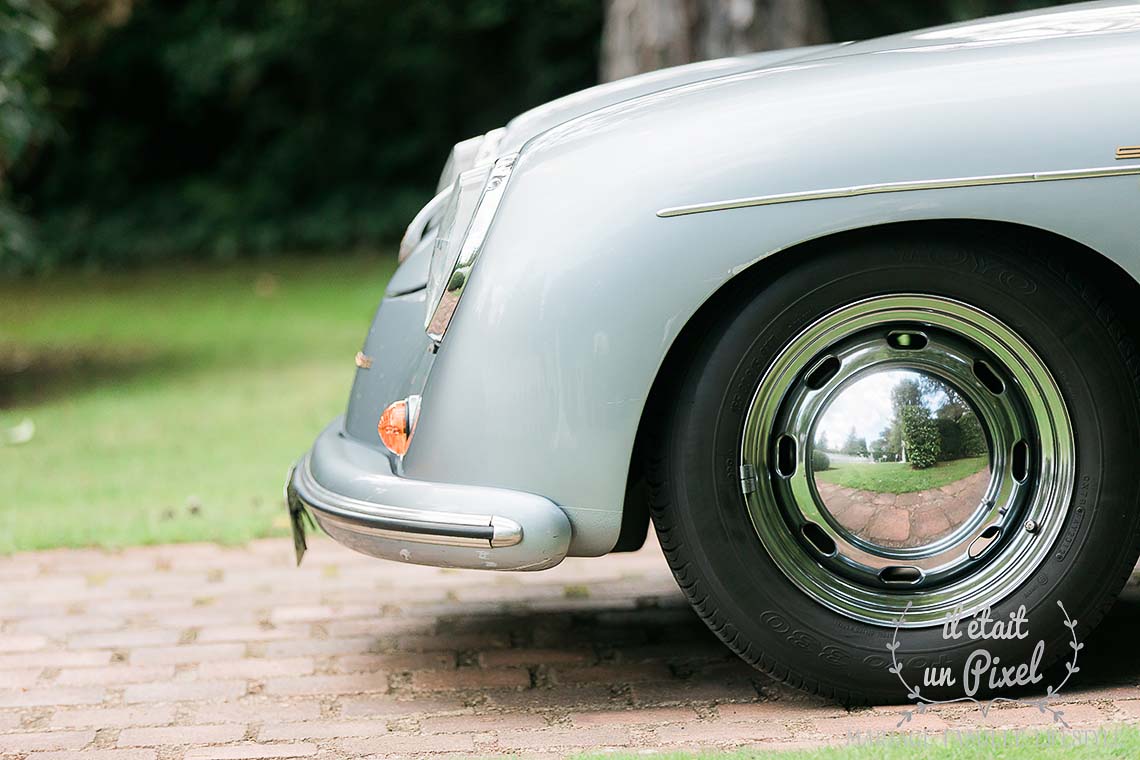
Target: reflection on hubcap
[
  {"x": 900, "y": 445},
  {"x": 900, "y": 459}
]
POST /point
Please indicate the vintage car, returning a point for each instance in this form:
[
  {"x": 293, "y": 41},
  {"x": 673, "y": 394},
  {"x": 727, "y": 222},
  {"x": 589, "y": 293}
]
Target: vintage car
[{"x": 850, "y": 323}]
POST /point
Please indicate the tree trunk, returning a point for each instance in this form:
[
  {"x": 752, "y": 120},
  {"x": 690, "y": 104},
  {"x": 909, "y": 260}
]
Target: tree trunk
[{"x": 643, "y": 35}]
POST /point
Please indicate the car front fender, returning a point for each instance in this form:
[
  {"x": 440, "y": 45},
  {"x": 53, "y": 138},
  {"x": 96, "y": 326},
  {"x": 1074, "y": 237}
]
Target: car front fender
[{"x": 582, "y": 287}]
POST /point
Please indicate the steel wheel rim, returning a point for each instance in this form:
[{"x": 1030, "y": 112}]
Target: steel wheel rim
[{"x": 1022, "y": 516}]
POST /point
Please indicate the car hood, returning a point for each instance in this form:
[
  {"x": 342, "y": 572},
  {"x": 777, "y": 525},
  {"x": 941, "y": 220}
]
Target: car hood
[
  {"x": 548, "y": 115},
  {"x": 1041, "y": 26},
  {"x": 1076, "y": 20}
]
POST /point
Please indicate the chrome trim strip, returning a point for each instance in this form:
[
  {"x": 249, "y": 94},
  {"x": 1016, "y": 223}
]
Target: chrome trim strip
[
  {"x": 899, "y": 187},
  {"x": 401, "y": 523},
  {"x": 471, "y": 246}
]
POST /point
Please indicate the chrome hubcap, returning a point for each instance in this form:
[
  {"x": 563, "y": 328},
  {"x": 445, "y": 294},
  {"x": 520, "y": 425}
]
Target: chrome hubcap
[{"x": 907, "y": 450}]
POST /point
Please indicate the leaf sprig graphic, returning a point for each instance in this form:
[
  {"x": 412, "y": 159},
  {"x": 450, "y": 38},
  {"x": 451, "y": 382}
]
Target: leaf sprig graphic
[{"x": 1042, "y": 703}]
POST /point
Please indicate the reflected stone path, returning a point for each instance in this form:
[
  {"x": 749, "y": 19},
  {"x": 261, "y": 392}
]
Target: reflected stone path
[{"x": 904, "y": 520}]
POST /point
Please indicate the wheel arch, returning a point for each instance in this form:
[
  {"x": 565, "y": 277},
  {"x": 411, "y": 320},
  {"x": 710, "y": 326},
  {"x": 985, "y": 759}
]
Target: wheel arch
[{"x": 1116, "y": 285}]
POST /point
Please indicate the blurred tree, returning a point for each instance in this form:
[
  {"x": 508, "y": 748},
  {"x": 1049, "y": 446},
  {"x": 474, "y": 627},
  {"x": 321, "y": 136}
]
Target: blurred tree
[
  {"x": 854, "y": 445},
  {"x": 643, "y": 35},
  {"x": 214, "y": 128},
  {"x": 25, "y": 36}
]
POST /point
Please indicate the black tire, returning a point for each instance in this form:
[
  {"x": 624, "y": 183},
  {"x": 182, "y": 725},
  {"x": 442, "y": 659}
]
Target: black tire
[{"x": 704, "y": 525}]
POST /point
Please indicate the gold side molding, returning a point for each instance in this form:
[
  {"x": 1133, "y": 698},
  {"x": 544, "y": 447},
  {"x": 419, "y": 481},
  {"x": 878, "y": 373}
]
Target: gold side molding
[
  {"x": 900, "y": 187},
  {"x": 1127, "y": 151}
]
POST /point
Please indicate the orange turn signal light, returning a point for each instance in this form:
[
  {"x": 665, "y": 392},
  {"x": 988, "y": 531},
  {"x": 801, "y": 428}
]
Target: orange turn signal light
[{"x": 397, "y": 423}]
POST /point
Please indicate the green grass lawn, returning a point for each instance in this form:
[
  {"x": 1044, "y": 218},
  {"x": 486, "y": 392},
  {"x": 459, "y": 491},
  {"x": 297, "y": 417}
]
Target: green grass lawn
[
  {"x": 168, "y": 404},
  {"x": 899, "y": 477},
  {"x": 1121, "y": 742}
]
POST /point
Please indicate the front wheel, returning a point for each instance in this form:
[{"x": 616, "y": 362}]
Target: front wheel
[{"x": 894, "y": 435}]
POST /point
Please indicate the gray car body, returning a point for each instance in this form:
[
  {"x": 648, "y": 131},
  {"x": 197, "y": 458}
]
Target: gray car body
[{"x": 581, "y": 287}]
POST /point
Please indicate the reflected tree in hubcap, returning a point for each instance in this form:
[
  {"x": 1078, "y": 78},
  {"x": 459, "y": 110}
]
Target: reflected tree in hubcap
[{"x": 900, "y": 459}]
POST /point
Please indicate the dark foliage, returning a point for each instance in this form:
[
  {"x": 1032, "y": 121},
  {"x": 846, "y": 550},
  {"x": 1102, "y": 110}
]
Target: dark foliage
[
  {"x": 218, "y": 128},
  {"x": 257, "y": 126}
]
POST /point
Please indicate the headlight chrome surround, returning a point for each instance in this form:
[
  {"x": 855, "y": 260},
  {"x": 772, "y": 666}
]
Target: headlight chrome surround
[{"x": 462, "y": 232}]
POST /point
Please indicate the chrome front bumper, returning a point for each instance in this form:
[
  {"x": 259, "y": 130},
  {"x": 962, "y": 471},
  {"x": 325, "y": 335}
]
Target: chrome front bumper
[{"x": 349, "y": 489}]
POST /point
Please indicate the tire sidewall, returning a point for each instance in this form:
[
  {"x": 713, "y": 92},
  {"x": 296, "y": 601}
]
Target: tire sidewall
[{"x": 764, "y": 611}]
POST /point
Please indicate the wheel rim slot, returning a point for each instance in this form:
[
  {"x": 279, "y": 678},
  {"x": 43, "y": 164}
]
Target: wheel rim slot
[
  {"x": 900, "y": 575},
  {"x": 984, "y": 541},
  {"x": 786, "y": 456},
  {"x": 823, "y": 372},
  {"x": 1019, "y": 461},
  {"x": 904, "y": 340},
  {"x": 987, "y": 377},
  {"x": 818, "y": 538}
]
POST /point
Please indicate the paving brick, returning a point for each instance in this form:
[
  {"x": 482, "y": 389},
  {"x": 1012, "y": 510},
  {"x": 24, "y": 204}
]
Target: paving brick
[
  {"x": 97, "y": 754},
  {"x": 672, "y": 692},
  {"x": 321, "y": 729},
  {"x": 652, "y": 716},
  {"x": 582, "y": 698},
  {"x": 175, "y": 735},
  {"x": 44, "y": 740},
  {"x": 454, "y": 724},
  {"x": 113, "y": 717},
  {"x": 615, "y": 674},
  {"x": 189, "y": 653},
  {"x": 318, "y": 647},
  {"x": 246, "y": 633},
  {"x": 393, "y": 744},
  {"x": 346, "y": 684},
  {"x": 251, "y": 751},
  {"x": 182, "y": 691},
  {"x": 60, "y": 626},
  {"x": 378, "y": 627},
  {"x": 317, "y": 613},
  {"x": 555, "y": 738},
  {"x": 718, "y": 733},
  {"x": 779, "y": 710},
  {"x": 22, "y": 642},
  {"x": 451, "y": 642},
  {"x": 1023, "y": 715},
  {"x": 470, "y": 678},
  {"x": 49, "y": 659},
  {"x": 497, "y": 658},
  {"x": 877, "y": 723},
  {"x": 49, "y": 696},
  {"x": 1130, "y": 707},
  {"x": 394, "y": 663},
  {"x": 254, "y": 710},
  {"x": 380, "y": 706},
  {"x": 19, "y": 679},
  {"x": 115, "y": 674},
  {"x": 256, "y": 668},
  {"x": 170, "y": 651},
  {"x": 125, "y": 639}
]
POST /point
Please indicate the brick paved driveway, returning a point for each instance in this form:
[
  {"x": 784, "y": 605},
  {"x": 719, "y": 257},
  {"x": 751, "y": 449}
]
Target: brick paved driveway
[{"x": 194, "y": 652}]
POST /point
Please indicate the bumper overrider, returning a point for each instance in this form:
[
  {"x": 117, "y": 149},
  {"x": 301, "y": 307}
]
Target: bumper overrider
[{"x": 351, "y": 492}]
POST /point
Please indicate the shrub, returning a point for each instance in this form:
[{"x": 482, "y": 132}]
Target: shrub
[
  {"x": 923, "y": 444},
  {"x": 820, "y": 461},
  {"x": 972, "y": 435}
]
